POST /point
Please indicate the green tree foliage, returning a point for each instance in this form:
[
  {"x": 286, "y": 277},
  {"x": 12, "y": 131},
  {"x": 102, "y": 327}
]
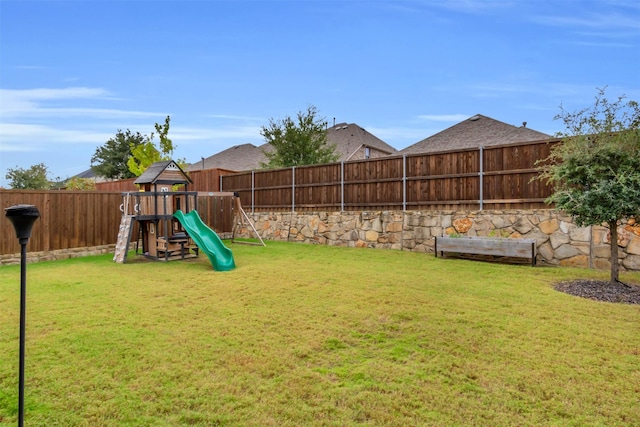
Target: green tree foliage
[
  {"x": 595, "y": 171},
  {"x": 34, "y": 178},
  {"x": 143, "y": 156},
  {"x": 146, "y": 153},
  {"x": 297, "y": 142},
  {"x": 85, "y": 184},
  {"x": 166, "y": 145},
  {"x": 110, "y": 160}
]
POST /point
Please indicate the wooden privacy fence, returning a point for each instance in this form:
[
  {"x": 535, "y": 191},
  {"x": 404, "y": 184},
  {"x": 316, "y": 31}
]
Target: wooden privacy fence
[
  {"x": 120, "y": 185},
  {"x": 217, "y": 212},
  {"x": 68, "y": 219},
  {"x": 495, "y": 177},
  {"x": 74, "y": 219}
]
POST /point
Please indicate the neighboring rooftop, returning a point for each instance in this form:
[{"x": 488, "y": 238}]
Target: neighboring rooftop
[
  {"x": 90, "y": 174},
  {"x": 237, "y": 158},
  {"x": 352, "y": 143},
  {"x": 476, "y": 131},
  {"x": 355, "y": 143}
]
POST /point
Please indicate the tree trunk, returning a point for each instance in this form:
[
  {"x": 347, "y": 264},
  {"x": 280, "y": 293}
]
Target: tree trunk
[{"x": 615, "y": 267}]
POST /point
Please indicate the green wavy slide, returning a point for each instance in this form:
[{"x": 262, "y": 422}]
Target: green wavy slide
[{"x": 207, "y": 240}]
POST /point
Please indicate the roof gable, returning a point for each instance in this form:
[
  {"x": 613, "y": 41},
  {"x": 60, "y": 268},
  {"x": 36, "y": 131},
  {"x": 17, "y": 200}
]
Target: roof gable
[
  {"x": 165, "y": 172},
  {"x": 349, "y": 138},
  {"x": 476, "y": 131}
]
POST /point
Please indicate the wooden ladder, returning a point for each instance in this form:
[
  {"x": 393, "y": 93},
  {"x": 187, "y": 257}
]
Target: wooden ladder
[
  {"x": 124, "y": 238},
  {"x": 124, "y": 233}
]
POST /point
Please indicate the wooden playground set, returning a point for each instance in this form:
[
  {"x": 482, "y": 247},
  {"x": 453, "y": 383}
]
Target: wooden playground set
[{"x": 166, "y": 222}]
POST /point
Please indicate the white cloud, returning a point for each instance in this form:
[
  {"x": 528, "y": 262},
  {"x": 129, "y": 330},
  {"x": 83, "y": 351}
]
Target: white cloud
[
  {"x": 41, "y": 118},
  {"x": 529, "y": 87},
  {"x": 451, "y": 118},
  {"x": 600, "y": 44},
  {"x": 611, "y": 21},
  {"x": 23, "y": 97},
  {"x": 16, "y": 148},
  {"x": 29, "y": 67},
  {"x": 474, "y": 6},
  {"x": 183, "y": 134},
  {"x": 31, "y": 136},
  {"x": 32, "y": 103},
  {"x": 100, "y": 113},
  {"x": 46, "y": 120},
  {"x": 235, "y": 117},
  {"x": 495, "y": 90}
]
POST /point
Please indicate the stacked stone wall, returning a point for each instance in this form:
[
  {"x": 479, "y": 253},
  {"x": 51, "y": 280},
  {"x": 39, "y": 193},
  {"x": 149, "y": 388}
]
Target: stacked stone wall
[
  {"x": 559, "y": 240},
  {"x": 10, "y": 259}
]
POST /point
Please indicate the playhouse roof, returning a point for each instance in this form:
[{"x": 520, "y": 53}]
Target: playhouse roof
[{"x": 165, "y": 172}]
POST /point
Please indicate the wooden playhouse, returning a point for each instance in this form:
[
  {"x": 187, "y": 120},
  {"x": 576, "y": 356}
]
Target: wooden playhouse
[{"x": 150, "y": 212}]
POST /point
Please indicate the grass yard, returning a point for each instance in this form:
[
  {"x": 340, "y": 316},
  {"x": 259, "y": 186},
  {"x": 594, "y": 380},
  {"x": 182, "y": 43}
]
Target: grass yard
[{"x": 316, "y": 336}]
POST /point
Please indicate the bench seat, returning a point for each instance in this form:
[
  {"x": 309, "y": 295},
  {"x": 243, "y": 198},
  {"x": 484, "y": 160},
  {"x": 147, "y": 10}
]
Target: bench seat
[{"x": 496, "y": 246}]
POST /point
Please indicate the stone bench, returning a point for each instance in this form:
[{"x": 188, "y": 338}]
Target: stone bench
[{"x": 506, "y": 247}]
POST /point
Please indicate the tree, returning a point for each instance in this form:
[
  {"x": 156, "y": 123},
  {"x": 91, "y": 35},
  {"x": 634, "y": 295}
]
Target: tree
[
  {"x": 595, "y": 170},
  {"x": 85, "y": 184},
  {"x": 298, "y": 143},
  {"x": 34, "y": 178},
  {"x": 145, "y": 154},
  {"x": 110, "y": 160}
]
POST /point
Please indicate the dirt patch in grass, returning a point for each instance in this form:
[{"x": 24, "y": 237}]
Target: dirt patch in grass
[{"x": 601, "y": 290}]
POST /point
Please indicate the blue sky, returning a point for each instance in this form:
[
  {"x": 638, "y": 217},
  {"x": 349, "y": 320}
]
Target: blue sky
[{"x": 74, "y": 72}]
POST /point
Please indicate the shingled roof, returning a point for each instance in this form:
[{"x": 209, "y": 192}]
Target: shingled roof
[
  {"x": 476, "y": 131},
  {"x": 349, "y": 139},
  {"x": 165, "y": 172},
  {"x": 237, "y": 158}
]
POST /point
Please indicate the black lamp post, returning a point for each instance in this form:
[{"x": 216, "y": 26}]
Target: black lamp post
[{"x": 22, "y": 217}]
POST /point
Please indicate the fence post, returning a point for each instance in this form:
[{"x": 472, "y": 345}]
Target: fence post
[
  {"x": 481, "y": 177},
  {"x": 342, "y": 186},
  {"x": 253, "y": 186},
  {"x": 404, "y": 182},
  {"x": 293, "y": 188}
]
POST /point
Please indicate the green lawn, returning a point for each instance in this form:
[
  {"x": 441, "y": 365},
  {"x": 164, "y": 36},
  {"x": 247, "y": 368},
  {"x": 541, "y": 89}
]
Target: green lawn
[{"x": 314, "y": 335}]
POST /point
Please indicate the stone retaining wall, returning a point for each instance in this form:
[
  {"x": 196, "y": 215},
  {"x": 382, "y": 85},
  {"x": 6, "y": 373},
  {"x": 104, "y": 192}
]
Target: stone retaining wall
[
  {"x": 559, "y": 240},
  {"x": 57, "y": 254}
]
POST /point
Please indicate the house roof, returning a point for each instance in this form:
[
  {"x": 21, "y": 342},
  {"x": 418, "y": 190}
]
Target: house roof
[
  {"x": 166, "y": 172},
  {"x": 349, "y": 137},
  {"x": 89, "y": 173},
  {"x": 237, "y": 158},
  {"x": 476, "y": 131}
]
